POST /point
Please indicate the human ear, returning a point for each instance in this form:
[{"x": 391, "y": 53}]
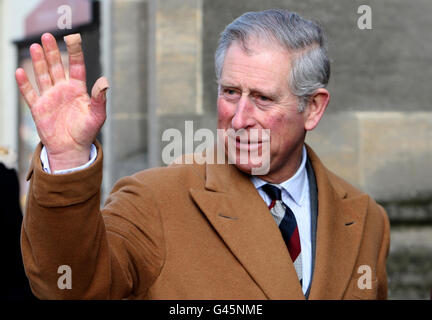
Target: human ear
[{"x": 316, "y": 107}]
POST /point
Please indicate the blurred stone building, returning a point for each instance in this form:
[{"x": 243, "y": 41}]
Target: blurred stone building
[{"x": 158, "y": 56}]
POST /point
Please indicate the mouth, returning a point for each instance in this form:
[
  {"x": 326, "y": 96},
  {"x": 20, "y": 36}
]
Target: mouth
[
  {"x": 250, "y": 140},
  {"x": 242, "y": 144}
]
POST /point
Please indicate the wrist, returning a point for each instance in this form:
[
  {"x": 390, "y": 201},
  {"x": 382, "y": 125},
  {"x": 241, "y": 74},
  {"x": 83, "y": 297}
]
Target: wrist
[{"x": 68, "y": 160}]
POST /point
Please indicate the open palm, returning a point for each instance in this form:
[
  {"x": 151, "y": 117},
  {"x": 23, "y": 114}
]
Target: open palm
[{"x": 67, "y": 118}]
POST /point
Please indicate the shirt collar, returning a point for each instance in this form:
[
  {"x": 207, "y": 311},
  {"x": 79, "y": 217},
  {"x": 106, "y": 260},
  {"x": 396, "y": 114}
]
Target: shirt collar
[{"x": 294, "y": 186}]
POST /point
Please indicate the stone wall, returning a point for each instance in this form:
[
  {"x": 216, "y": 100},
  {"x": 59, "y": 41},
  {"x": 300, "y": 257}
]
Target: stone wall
[{"x": 128, "y": 115}]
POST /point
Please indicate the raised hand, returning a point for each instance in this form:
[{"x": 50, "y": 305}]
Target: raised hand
[{"x": 67, "y": 118}]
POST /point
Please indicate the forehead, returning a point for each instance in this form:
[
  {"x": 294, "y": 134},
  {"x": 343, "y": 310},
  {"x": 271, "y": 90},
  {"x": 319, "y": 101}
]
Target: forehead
[{"x": 263, "y": 65}]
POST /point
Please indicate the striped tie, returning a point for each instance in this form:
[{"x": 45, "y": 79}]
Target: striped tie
[{"x": 286, "y": 220}]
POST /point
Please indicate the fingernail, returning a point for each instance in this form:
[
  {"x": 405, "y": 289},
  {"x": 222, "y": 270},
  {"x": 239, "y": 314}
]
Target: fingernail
[{"x": 102, "y": 94}]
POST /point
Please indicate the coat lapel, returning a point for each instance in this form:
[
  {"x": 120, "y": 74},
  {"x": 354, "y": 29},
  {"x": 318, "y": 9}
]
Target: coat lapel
[
  {"x": 241, "y": 218},
  {"x": 339, "y": 232}
]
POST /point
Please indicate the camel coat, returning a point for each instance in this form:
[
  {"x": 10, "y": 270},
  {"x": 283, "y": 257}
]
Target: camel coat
[{"x": 193, "y": 231}]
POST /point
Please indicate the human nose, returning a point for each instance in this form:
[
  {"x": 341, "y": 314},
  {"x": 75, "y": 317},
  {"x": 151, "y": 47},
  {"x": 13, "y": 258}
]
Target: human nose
[{"x": 243, "y": 117}]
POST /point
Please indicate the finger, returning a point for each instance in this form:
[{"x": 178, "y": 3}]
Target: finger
[
  {"x": 26, "y": 88},
  {"x": 77, "y": 69},
  {"x": 98, "y": 95},
  {"x": 52, "y": 54},
  {"x": 40, "y": 67}
]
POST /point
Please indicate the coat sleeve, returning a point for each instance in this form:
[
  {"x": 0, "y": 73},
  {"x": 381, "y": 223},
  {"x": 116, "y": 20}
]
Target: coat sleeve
[{"x": 74, "y": 250}]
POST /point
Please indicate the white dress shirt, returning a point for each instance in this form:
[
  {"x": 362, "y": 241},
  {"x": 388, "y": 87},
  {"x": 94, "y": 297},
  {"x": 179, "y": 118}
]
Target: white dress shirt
[
  {"x": 295, "y": 194},
  {"x": 46, "y": 166}
]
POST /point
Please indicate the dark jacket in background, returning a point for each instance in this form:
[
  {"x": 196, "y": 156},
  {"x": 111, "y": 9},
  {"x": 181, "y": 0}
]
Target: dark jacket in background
[{"x": 15, "y": 285}]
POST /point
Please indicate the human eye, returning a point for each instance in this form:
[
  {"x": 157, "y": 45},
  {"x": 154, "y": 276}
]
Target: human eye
[
  {"x": 262, "y": 100},
  {"x": 231, "y": 94}
]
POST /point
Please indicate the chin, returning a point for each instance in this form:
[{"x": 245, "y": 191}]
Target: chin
[{"x": 251, "y": 168}]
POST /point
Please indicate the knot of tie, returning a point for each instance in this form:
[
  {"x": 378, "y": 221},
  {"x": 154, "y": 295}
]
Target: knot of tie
[{"x": 272, "y": 191}]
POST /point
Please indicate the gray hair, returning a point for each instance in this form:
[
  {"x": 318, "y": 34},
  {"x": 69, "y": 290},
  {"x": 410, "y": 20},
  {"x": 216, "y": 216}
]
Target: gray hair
[{"x": 310, "y": 68}]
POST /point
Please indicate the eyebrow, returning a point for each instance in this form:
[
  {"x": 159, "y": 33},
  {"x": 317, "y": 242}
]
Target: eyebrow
[{"x": 263, "y": 92}]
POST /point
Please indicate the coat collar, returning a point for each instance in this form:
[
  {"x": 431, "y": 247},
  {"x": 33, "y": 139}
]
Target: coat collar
[
  {"x": 340, "y": 225},
  {"x": 239, "y": 215}
]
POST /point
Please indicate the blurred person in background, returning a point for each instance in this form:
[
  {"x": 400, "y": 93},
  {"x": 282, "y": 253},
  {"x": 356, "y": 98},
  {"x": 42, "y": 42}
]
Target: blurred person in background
[{"x": 15, "y": 285}]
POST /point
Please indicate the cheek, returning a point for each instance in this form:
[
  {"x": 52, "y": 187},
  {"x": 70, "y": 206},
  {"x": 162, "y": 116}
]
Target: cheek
[
  {"x": 283, "y": 129},
  {"x": 225, "y": 111},
  {"x": 276, "y": 123}
]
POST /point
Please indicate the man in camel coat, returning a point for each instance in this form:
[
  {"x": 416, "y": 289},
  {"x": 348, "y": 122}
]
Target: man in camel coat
[{"x": 199, "y": 230}]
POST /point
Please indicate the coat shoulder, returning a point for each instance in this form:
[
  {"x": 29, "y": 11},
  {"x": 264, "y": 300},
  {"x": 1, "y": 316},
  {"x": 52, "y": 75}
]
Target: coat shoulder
[
  {"x": 348, "y": 191},
  {"x": 343, "y": 186}
]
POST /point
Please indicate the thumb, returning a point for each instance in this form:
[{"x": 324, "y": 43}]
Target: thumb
[{"x": 98, "y": 94}]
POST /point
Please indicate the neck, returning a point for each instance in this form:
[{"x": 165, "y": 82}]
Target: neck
[{"x": 286, "y": 170}]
